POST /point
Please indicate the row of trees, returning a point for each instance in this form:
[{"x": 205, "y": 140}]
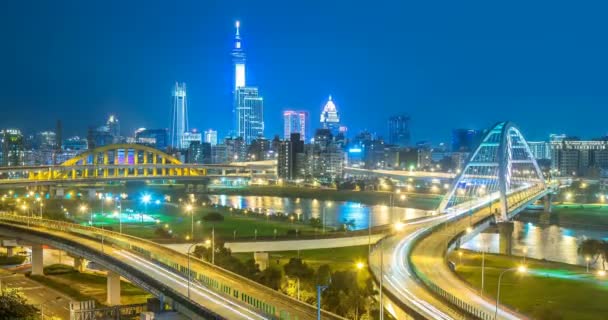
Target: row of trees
[
  {"x": 594, "y": 250},
  {"x": 347, "y": 294}
]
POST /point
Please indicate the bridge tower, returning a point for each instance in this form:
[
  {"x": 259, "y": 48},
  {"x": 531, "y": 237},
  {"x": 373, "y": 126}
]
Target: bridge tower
[{"x": 501, "y": 174}]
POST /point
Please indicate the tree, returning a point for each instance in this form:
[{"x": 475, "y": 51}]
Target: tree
[
  {"x": 594, "y": 249},
  {"x": 296, "y": 268},
  {"x": 14, "y": 306},
  {"x": 271, "y": 277}
]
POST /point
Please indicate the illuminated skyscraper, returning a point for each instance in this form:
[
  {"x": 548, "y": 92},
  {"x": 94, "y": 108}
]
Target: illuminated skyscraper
[
  {"x": 248, "y": 105},
  {"x": 399, "y": 130},
  {"x": 238, "y": 59},
  {"x": 249, "y": 114},
  {"x": 179, "y": 122},
  {"x": 329, "y": 117},
  {"x": 113, "y": 126},
  {"x": 211, "y": 137},
  {"x": 294, "y": 122}
]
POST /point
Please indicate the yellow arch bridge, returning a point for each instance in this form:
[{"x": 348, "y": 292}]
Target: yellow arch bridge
[{"x": 131, "y": 162}]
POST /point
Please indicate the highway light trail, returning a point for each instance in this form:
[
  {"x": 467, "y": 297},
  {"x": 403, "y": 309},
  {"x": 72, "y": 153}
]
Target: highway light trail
[{"x": 181, "y": 281}]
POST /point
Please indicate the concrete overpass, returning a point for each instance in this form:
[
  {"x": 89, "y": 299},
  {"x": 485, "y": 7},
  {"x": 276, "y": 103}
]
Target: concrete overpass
[
  {"x": 215, "y": 293},
  {"x": 501, "y": 179}
]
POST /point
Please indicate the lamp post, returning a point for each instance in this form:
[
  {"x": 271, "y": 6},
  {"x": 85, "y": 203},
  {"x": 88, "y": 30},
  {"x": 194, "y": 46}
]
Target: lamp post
[
  {"x": 119, "y": 205},
  {"x": 520, "y": 269},
  {"x": 320, "y": 289},
  {"x": 145, "y": 199},
  {"x": 189, "y": 210},
  {"x": 189, "y": 269}
]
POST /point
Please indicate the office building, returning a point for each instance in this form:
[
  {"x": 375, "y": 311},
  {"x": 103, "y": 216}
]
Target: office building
[
  {"x": 45, "y": 140},
  {"x": 399, "y": 130},
  {"x": 199, "y": 152},
  {"x": 13, "y": 151},
  {"x": 330, "y": 119},
  {"x": 260, "y": 149},
  {"x": 114, "y": 127},
  {"x": 466, "y": 140},
  {"x": 248, "y": 105},
  {"x": 295, "y": 122},
  {"x": 157, "y": 138},
  {"x": 249, "y": 110},
  {"x": 210, "y": 137},
  {"x": 179, "y": 118},
  {"x": 287, "y": 164},
  {"x": 541, "y": 150},
  {"x": 189, "y": 137}
]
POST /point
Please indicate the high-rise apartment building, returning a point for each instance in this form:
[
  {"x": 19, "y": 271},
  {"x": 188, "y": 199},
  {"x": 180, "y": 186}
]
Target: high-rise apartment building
[
  {"x": 289, "y": 149},
  {"x": 295, "y": 122},
  {"x": 210, "y": 137},
  {"x": 541, "y": 150},
  {"x": 330, "y": 119},
  {"x": 399, "y": 130},
  {"x": 179, "y": 118},
  {"x": 579, "y": 158}
]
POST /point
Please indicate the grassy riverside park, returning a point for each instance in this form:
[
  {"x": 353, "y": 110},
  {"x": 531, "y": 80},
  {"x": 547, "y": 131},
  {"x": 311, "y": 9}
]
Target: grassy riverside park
[
  {"x": 574, "y": 215},
  {"x": 546, "y": 287}
]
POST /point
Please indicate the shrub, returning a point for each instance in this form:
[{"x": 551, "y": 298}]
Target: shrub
[{"x": 213, "y": 216}]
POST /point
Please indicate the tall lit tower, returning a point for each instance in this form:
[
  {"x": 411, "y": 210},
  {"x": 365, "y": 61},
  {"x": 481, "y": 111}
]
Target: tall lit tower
[
  {"x": 179, "y": 122},
  {"x": 238, "y": 59},
  {"x": 248, "y": 105},
  {"x": 329, "y": 117}
]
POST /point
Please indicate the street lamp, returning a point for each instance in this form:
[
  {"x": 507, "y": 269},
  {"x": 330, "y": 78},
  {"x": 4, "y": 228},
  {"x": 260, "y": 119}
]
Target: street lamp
[
  {"x": 145, "y": 199},
  {"x": 189, "y": 211},
  {"x": 189, "y": 269},
  {"x": 519, "y": 269}
]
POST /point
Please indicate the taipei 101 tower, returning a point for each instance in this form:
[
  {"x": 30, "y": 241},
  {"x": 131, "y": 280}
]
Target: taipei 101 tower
[{"x": 248, "y": 105}]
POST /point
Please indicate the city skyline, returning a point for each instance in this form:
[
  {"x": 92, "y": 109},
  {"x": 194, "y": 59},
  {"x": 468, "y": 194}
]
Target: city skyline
[{"x": 537, "y": 98}]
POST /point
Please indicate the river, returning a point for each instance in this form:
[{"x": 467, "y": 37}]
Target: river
[
  {"x": 540, "y": 241},
  {"x": 336, "y": 212}
]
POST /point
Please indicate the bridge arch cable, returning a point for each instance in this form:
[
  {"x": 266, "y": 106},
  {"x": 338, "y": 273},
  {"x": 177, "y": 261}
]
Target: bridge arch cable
[{"x": 502, "y": 169}]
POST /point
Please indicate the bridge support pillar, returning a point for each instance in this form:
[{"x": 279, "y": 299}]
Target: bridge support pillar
[
  {"x": 547, "y": 202},
  {"x": 113, "y": 298},
  {"x": 80, "y": 264},
  {"x": 505, "y": 233},
  {"x": 9, "y": 251},
  {"x": 37, "y": 261}
]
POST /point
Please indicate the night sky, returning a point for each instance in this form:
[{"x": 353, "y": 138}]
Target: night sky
[{"x": 543, "y": 65}]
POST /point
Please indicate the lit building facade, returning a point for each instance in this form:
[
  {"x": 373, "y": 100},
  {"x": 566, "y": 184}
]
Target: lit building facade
[
  {"x": 190, "y": 137},
  {"x": 330, "y": 119},
  {"x": 211, "y": 137},
  {"x": 157, "y": 138},
  {"x": 399, "y": 130},
  {"x": 579, "y": 158},
  {"x": 13, "y": 151},
  {"x": 249, "y": 109},
  {"x": 179, "y": 118},
  {"x": 541, "y": 150},
  {"x": 295, "y": 122},
  {"x": 248, "y": 105}
]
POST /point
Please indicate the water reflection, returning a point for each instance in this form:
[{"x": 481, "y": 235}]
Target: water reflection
[
  {"x": 550, "y": 242},
  {"x": 336, "y": 212}
]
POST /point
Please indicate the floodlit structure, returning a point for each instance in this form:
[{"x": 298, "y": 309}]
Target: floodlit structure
[
  {"x": 294, "y": 122},
  {"x": 179, "y": 122},
  {"x": 248, "y": 105},
  {"x": 330, "y": 118},
  {"x": 501, "y": 169}
]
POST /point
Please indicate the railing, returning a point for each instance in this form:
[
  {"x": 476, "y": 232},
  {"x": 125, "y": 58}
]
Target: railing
[
  {"x": 162, "y": 255},
  {"x": 462, "y": 305},
  {"x": 128, "y": 311}
]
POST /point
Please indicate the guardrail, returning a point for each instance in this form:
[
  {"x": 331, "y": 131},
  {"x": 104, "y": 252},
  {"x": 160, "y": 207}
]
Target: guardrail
[
  {"x": 462, "y": 305},
  {"x": 134, "y": 275},
  {"x": 161, "y": 255}
]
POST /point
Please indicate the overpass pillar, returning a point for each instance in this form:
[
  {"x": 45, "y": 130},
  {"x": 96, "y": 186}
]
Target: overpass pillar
[
  {"x": 505, "y": 233},
  {"x": 37, "y": 262},
  {"x": 547, "y": 202},
  {"x": 80, "y": 264},
  {"x": 9, "y": 251},
  {"x": 113, "y": 298}
]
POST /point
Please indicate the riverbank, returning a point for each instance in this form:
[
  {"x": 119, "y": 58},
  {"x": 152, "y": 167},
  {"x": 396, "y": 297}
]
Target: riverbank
[
  {"x": 570, "y": 215},
  {"x": 413, "y": 200},
  {"x": 548, "y": 290}
]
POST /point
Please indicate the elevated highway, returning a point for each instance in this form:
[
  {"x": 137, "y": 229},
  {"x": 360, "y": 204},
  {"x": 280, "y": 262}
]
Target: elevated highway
[
  {"x": 500, "y": 180},
  {"x": 215, "y": 293}
]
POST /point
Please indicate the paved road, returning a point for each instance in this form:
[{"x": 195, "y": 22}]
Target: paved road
[
  {"x": 52, "y": 302},
  {"x": 230, "y": 308},
  {"x": 289, "y": 245},
  {"x": 429, "y": 259}
]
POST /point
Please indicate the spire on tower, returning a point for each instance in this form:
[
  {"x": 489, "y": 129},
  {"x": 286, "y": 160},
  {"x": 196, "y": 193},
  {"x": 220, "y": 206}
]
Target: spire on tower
[{"x": 238, "y": 26}]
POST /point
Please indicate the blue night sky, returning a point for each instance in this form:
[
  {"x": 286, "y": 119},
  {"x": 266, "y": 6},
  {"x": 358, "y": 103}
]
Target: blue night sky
[{"x": 543, "y": 65}]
